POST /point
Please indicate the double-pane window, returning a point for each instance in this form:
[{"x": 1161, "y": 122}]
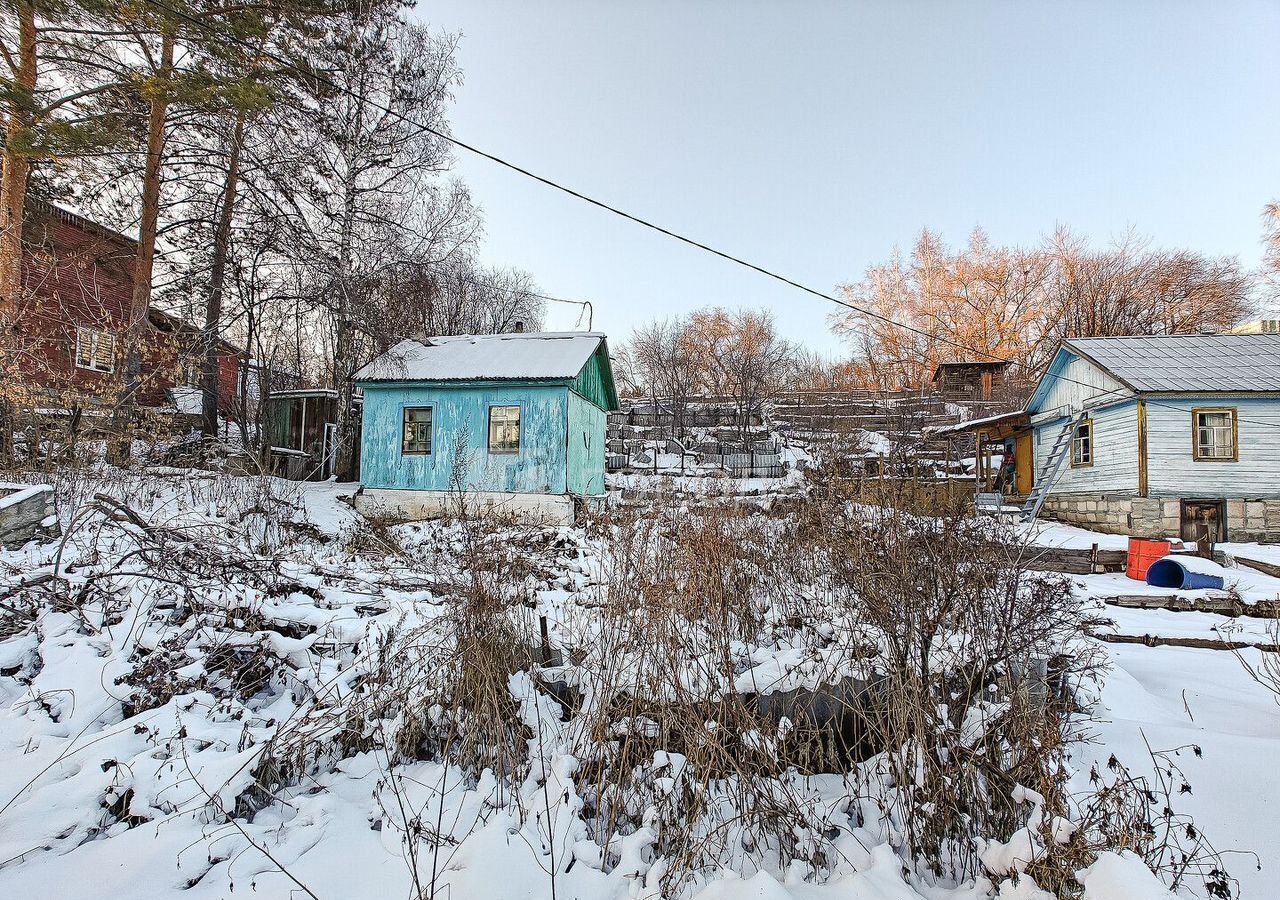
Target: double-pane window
[
  {"x": 1082, "y": 445},
  {"x": 504, "y": 429},
  {"x": 95, "y": 349},
  {"x": 1215, "y": 434},
  {"x": 417, "y": 430}
]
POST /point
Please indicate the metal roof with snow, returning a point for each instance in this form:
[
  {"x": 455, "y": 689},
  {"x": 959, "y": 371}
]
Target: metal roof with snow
[
  {"x": 531, "y": 356},
  {"x": 1194, "y": 363}
]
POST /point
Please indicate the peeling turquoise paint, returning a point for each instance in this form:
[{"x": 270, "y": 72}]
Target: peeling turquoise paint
[
  {"x": 460, "y": 424},
  {"x": 586, "y": 430},
  {"x": 595, "y": 381},
  {"x": 562, "y": 433}
]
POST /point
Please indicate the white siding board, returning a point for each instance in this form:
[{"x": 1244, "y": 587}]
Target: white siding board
[
  {"x": 1079, "y": 382},
  {"x": 1115, "y": 453},
  {"x": 1172, "y": 469}
]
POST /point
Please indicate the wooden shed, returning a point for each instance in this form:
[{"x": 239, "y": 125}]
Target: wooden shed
[
  {"x": 511, "y": 420},
  {"x": 302, "y": 429},
  {"x": 970, "y": 380}
]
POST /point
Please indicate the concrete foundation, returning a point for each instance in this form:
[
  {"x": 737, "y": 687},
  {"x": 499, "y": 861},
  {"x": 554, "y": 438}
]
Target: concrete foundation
[
  {"x": 1156, "y": 517},
  {"x": 527, "y": 509}
]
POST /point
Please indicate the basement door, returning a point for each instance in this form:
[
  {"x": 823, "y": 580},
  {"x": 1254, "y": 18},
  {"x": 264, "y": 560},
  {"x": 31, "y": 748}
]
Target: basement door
[{"x": 1204, "y": 519}]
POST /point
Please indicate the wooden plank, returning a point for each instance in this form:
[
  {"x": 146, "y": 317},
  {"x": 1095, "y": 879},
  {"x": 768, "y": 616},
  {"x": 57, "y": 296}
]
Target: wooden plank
[
  {"x": 1142, "y": 448},
  {"x": 1151, "y": 640},
  {"x": 1223, "y": 606},
  {"x": 1076, "y": 562},
  {"x": 1265, "y": 568}
]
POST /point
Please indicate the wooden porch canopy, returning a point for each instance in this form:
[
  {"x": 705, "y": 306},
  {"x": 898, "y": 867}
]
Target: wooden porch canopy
[{"x": 994, "y": 431}]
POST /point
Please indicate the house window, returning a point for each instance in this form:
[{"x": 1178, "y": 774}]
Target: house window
[
  {"x": 504, "y": 429},
  {"x": 95, "y": 349},
  {"x": 1082, "y": 445},
  {"x": 417, "y": 430},
  {"x": 1271, "y": 326},
  {"x": 1215, "y": 435}
]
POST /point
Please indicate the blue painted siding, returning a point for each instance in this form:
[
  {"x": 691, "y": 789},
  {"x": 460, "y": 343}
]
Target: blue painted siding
[
  {"x": 1174, "y": 472},
  {"x": 587, "y": 427},
  {"x": 1115, "y": 453},
  {"x": 460, "y": 427}
]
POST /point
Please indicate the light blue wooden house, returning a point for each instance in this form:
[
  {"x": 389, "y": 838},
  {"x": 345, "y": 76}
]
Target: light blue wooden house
[
  {"x": 1160, "y": 436},
  {"x": 513, "y": 422}
]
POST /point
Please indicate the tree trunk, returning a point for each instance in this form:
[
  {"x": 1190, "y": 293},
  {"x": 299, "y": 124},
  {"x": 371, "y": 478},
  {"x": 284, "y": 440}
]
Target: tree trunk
[
  {"x": 13, "y": 201},
  {"x": 343, "y": 348},
  {"x": 13, "y": 185},
  {"x": 345, "y": 428},
  {"x": 136, "y": 327},
  {"x": 217, "y": 279}
]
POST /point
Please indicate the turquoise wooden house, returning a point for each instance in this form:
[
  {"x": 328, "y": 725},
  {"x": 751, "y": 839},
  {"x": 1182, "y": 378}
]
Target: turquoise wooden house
[{"x": 514, "y": 421}]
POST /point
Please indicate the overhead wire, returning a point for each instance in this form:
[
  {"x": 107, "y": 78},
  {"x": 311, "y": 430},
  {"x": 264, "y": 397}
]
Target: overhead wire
[{"x": 639, "y": 220}]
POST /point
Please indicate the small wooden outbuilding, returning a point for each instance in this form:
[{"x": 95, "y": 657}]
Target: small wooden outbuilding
[
  {"x": 970, "y": 380},
  {"x": 302, "y": 429},
  {"x": 512, "y": 421}
]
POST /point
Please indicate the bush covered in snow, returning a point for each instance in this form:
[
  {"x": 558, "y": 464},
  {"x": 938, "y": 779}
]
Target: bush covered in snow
[{"x": 252, "y": 688}]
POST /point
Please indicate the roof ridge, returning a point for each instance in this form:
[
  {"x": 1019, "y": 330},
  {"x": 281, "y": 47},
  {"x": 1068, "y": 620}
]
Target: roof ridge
[{"x": 1150, "y": 337}]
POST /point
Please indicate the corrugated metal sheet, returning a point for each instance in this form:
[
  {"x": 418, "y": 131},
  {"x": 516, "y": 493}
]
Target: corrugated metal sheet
[
  {"x": 586, "y": 424},
  {"x": 534, "y": 356},
  {"x": 1188, "y": 362}
]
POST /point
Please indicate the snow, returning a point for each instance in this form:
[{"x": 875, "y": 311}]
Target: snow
[
  {"x": 188, "y": 400},
  {"x": 1175, "y": 697},
  {"x": 21, "y": 493},
  {"x": 1122, "y": 876},
  {"x": 1047, "y": 533},
  {"x": 98, "y": 800},
  {"x": 528, "y": 355}
]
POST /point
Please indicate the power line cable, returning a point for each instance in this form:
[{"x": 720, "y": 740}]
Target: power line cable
[{"x": 639, "y": 220}]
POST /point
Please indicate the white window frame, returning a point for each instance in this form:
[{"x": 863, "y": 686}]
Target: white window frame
[
  {"x": 95, "y": 349},
  {"x": 1082, "y": 443},
  {"x": 504, "y": 421}
]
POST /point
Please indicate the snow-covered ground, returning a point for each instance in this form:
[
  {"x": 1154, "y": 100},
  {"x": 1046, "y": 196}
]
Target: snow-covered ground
[
  {"x": 104, "y": 793},
  {"x": 1177, "y": 697}
]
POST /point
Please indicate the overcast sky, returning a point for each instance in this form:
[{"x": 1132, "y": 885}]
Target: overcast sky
[{"x": 813, "y": 138}]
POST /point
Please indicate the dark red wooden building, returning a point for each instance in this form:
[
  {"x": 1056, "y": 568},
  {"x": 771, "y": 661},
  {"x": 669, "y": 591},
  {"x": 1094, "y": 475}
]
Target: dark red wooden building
[{"x": 70, "y": 327}]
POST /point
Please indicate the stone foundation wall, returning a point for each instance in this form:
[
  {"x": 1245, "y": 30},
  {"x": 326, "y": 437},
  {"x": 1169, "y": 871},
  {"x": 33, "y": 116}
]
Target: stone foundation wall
[
  {"x": 26, "y": 513},
  {"x": 1154, "y": 517}
]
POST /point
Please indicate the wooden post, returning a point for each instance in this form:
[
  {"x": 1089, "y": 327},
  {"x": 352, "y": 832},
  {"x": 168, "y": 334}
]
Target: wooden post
[
  {"x": 546, "y": 641},
  {"x": 1142, "y": 448},
  {"x": 1204, "y": 546}
]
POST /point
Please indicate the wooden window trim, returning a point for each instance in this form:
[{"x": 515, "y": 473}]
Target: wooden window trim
[
  {"x": 488, "y": 437},
  {"x": 92, "y": 338},
  {"x": 1093, "y": 450},
  {"x": 404, "y": 420},
  {"x": 1195, "y": 434}
]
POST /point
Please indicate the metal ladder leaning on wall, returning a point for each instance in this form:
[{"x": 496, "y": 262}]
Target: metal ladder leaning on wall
[{"x": 1048, "y": 473}]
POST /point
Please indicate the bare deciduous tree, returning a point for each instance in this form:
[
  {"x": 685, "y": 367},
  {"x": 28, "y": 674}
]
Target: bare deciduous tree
[
  {"x": 746, "y": 359},
  {"x": 988, "y": 302}
]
